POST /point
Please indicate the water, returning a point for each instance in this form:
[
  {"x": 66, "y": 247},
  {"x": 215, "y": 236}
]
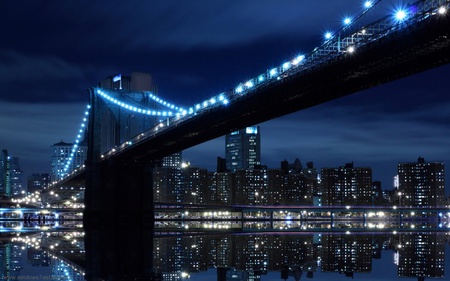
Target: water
[{"x": 205, "y": 250}]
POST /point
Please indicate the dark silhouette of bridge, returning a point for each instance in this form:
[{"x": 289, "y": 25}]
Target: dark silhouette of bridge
[{"x": 123, "y": 148}]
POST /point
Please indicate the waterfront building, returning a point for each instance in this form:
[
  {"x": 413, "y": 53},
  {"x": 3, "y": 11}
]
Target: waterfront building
[
  {"x": 251, "y": 186},
  {"x": 194, "y": 183},
  {"x": 346, "y": 185},
  {"x": 276, "y": 186},
  {"x": 421, "y": 184},
  {"x": 167, "y": 184},
  {"x": 220, "y": 188},
  {"x": 243, "y": 149},
  {"x": 38, "y": 182},
  {"x": 61, "y": 154}
]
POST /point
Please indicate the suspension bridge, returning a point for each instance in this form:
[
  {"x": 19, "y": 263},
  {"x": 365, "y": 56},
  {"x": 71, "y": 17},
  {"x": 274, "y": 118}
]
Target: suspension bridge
[{"x": 128, "y": 132}]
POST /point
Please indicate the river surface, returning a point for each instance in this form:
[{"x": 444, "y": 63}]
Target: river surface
[{"x": 226, "y": 250}]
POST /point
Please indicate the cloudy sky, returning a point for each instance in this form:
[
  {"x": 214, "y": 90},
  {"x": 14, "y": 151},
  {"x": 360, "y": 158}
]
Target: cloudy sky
[{"x": 52, "y": 51}]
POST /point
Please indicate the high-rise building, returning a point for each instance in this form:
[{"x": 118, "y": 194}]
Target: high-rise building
[
  {"x": 243, "y": 149},
  {"x": 10, "y": 175},
  {"x": 5, "y": 183},
  {"x": 64, "y": 161},
  {"x": 421, "y": 184},
  {"x": 16, "y": 175},
  {"x": 346, "y": 185}
]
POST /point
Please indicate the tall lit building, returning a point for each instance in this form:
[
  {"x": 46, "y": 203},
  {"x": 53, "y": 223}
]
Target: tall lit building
[
  {"x": 421, "y": 184},
  {"x": 64, "y": 161},
  {"x": 5, "y": 183},
  {"x": 346, "y": 185},
  {"x": 16, "y": 175},
  {"x": 10, "y": 175},
  {"x": 243, "y": 149}
]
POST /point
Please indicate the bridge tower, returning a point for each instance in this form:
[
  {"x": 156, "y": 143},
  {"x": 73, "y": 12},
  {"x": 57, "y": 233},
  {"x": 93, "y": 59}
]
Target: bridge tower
[{"x": 118, "y": 216}]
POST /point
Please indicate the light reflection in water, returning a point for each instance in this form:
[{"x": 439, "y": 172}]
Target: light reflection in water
[{"x": 249, "y": 250}]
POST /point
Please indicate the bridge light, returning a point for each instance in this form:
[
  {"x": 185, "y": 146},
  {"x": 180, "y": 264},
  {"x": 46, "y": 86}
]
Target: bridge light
[
  {"x": 347, "y": 21},
  {"x": 249, "y": 84},
  {"x": 400, "y": 15},
  {"x": 442, "y": 10},
  {"x": 286, "y": 65},
  {"x": 298, "y": 59},
  {"x": 239, "y": 89},
  {"x": 328, "y": 35},
  {"x": 368, "y": 4},
  {"x": 261, "y": 78},
  {"x": 273, "y": 72},
  {"x": 351, "y": 49}
]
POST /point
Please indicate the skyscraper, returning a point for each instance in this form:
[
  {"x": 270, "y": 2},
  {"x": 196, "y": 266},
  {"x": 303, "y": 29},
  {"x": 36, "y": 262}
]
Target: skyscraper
[
  {"x": 421, "y": 184},
  {"x": 5, "y": 183},
  {"x": 15, "y": 174},
  {"x": 243, "y": 149}
]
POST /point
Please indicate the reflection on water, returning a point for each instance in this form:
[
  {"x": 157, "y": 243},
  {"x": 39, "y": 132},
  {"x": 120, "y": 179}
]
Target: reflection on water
[{"x": 236, "y": 250}]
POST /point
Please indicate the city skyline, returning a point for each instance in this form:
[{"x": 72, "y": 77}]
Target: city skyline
[{"x": 192, "y": 57}]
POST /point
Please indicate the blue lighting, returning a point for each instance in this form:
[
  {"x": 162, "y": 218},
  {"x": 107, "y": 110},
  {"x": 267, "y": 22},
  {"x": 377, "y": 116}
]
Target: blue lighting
[
  {"x": 328, "y": 35},
  {"x": 139, "y": 110},
  {"x": 368, "y": 4},
  {"x": 273, "y": 72},
  {"x": 347, "y": 21},
  {"x": 400, "y": 15}
]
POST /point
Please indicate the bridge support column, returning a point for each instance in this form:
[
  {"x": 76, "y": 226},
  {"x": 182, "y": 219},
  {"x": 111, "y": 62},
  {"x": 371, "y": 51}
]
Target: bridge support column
[{"x": 119, "y": 222}]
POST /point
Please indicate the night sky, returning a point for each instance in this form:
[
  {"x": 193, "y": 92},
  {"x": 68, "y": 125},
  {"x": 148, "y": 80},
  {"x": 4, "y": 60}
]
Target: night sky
[{"x": 52, "y": 51}]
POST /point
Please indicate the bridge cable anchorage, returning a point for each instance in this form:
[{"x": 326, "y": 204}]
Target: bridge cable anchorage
[{"x": 75, "y": 146}]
